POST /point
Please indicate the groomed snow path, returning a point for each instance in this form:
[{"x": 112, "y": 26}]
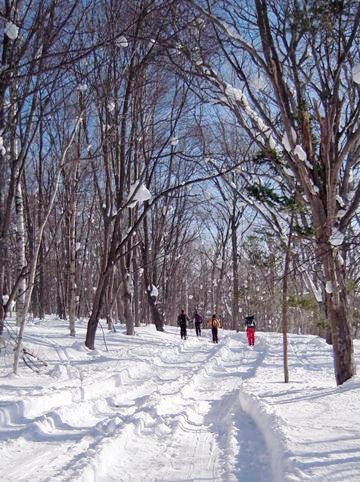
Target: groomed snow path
[
  {"x": 152, "y": 408},
  {"x": 155, "y": 408}
]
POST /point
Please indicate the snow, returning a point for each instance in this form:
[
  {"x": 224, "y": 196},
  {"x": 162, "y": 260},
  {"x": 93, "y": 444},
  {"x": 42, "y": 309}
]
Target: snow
[
  {"x": 272, "y": 142},
  {"x": 336, "y": 238},
  {"x": 288, "y": 172},
  {"x": 82, "y": 87},
  {"x": 174, "y": 141},
  {"x": 340, "y": 214},
  {"x": 156, "y": 408},
  {"x": 11, "y": 30},
  {"x": 111, "y": 106},
  {"x": 316, "y": 291},
  {"x": 121, "y": 42},
  {"x": 341, "y": 259},
  {"x": 154, "y": 291},
  {"x": 299, "y": 151},
  {"x": 285, "y": 140},
  {"x": 329, "y": 287},
  {"x": 340, "y": 201},
  {"x": 356, "y": 73},
  {"x": 233, "y": 93},
  {"x": 2, "y": 147},
  {"x": 138, "y": 194},
  {"x": 231, "y": 31},
  {"x": 351, "y": 175}
]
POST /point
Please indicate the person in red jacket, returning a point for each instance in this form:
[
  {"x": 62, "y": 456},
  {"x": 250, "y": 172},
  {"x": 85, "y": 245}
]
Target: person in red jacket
[{"x": 250, "y": 329}]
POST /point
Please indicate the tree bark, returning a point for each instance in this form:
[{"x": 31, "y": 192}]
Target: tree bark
[
  {"x": 21, "y": 258},
  {"x": 336, "y": 307},
  {"x": 96, "y": 309},
  {"x": 127, "y": 298},
  {"x": 235, "y": 270},
  {"x": 285, "y": 303}
]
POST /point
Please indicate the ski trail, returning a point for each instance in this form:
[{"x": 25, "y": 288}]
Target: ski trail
[
  {"x": 177, "y": 399},
  {"x": 207, "y": 435}
]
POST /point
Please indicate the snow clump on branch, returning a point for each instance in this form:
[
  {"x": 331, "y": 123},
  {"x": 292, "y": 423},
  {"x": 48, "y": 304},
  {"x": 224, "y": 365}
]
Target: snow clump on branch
[
  {"x": 2, "y": 147},
  {"x": 11, "y": 31},
  {"x": 356, "y": 74},
  {"x": 285, "y": 140},
  {"x": 138, "y": 194},
  {"x": 299, "y": 151},
  {"x": 336, "y": 238},
  {"x": 121, "y": 42},
  {"x": 154, "y": 292}
]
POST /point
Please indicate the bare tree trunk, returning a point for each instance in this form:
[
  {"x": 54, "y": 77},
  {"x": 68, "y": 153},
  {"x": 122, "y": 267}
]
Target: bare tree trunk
[
  {"x": 127, "y": 299},
  {"x": 285, "y": 304},
  {"x": 220, "y": 280},
  {"x": 235, "y": 270},
  {"x": 72, "y": 253},
  {"x": 336, "y": 307},
  {"x": 156, "y": 315},
  {"x": 41, "y": 284},
  {"x": 136, "y": 291},
  {"x": 96, "y": 309},
  {"x": 110, "y": 300},
  {"x": 21, "y": 258}
]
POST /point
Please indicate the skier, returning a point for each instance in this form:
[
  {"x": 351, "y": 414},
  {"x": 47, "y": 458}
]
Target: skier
[
  {"x": 197, "y": 320},
  {"x": 250, "y": 329},
  {"x": 182, "y": 319},
  {"x": 214, "y": 325}
]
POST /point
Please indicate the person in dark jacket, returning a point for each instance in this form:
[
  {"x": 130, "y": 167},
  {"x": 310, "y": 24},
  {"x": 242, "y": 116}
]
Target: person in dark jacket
[
  {"x": 250, "y": 326},
  {"x": 197, "y": 320},
  {"x": 182, "y": 320}
]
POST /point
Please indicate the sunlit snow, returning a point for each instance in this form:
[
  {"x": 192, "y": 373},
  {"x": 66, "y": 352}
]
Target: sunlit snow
[
  {"x": 152, "y": 407},
  {"x": 285, "y": 140},
  {"x": 299, "y": 151}
]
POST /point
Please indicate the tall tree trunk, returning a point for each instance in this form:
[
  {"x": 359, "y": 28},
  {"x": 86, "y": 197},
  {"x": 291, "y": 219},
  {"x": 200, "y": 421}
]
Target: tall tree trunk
[
  {"x": 127, "y": 298},
  {"x": 96, "y": 308},
  {"x": 336, "y": 307},
  {"x": 235, "y": 270},
  {"x": 157, "y": 318},
  {"x": 41, "y": 284},
  {"x": 220, "y": 281},
  {"x": 136, "y": 291},
  {"x": 21, "y": 258},
  {"x": 72, "y": 262},
  {"x": 110, "y": 300},
  {"x": 285, "y": 303}
]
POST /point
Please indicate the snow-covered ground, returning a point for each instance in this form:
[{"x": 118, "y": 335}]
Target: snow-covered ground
[{"x": 155, "y": 408}]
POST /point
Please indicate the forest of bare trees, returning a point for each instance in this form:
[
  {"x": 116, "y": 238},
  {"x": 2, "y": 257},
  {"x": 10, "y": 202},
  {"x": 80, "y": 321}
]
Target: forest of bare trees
[{"x": 159, "y": 155}]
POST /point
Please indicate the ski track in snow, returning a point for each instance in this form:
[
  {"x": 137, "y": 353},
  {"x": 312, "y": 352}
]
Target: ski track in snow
[{"x": 103, "y": 421}]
